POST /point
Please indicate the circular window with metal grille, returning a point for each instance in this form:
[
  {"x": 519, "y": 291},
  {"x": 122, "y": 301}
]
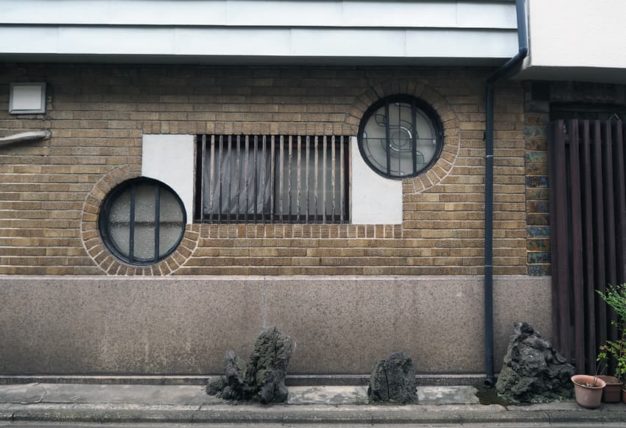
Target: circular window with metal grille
[
  {"x": 142, "y": 221},
  {"x": 400, "y": 136}
]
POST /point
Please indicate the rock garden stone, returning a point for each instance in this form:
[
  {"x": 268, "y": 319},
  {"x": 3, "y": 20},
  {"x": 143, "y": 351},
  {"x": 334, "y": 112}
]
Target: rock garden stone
[
  {"x": 533, "y": 371},
  {"x": 264, "y": 376},
  {"x": 393, "y": 380}
]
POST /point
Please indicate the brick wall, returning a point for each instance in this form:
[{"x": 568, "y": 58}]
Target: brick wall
[{"x": 51, "y": 190}]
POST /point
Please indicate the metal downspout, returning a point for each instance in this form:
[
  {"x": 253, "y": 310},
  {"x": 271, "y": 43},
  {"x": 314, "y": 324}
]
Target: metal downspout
[{"x": 503, "y": 71}]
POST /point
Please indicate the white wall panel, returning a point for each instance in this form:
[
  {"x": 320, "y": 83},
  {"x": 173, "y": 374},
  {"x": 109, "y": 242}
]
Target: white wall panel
[
  {"x": 374, "y": 199},
  {"x": 170, "y": 159}
]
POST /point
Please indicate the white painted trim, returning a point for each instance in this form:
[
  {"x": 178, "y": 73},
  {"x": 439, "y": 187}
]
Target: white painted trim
[
  {"x": 170, "y": 159},
  {"x": 259, "y": 42},
  {"x": 267, "y": 13},
  {"x": 373, "y": 199}
]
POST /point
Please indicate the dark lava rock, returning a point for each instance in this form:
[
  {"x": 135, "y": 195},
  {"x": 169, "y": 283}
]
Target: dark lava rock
[
  {"x": 264, "y": 377},
  {"x": 216, "y": 385},
  {"x": 393, "y": 380},
  {"x": 230, "y": 386},
  {"x": 267, "y": 369},
  {"x": 533, "y": 371}
]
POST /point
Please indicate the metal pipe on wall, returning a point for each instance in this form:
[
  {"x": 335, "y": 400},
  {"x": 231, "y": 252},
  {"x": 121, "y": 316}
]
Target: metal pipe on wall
[{"x": 503, "y": 71}]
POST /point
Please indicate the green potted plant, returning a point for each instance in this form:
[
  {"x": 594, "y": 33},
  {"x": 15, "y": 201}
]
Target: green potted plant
[{"x": 615, "y": 297}]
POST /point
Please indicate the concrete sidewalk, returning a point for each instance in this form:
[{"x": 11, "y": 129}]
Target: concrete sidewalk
[{"x": 70, "y": 403}]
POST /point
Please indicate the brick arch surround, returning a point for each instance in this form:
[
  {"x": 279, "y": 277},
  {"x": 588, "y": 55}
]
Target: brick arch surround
[
  {"x": 95, "y": 248},
  {"x": 442, "y": 168}
]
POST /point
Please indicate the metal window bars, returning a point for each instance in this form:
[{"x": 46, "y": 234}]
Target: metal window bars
[{"x": 272, "y": 179}]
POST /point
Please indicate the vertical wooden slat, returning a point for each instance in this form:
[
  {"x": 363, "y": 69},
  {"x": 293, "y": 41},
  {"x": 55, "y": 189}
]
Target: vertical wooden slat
[
  {"x": 600, "y": 264},
  {"x": 609, "y": 214},
  {"x": 554, "y": 241},
  {"x": 620, "y": 199},
  {"x": 576, "y": 245},
  {"x": 588, "y": 254},
  {"x": 562, "y": 240}
]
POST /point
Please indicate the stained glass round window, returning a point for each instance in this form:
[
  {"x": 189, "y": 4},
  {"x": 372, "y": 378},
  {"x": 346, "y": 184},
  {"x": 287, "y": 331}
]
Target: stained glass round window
[
  {"x": 400, "y": 136},
  {"x": 142, "y": 221}
]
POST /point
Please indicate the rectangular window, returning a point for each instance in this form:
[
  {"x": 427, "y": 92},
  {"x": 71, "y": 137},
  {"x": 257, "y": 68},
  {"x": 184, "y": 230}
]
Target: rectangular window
[{"x": 272, "y": 179}]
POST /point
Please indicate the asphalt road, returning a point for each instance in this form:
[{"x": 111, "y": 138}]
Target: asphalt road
[{"x": 333, "y": 425}]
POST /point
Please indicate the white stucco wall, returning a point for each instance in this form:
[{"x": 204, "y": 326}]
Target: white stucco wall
[
  {"x": 170, "y": 159},
  {"x": 577, "y": 33},
  {"x": 374, "y": 199}
]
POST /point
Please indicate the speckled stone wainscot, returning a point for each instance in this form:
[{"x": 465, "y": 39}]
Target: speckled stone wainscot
[{"x": 184, "y": 325}]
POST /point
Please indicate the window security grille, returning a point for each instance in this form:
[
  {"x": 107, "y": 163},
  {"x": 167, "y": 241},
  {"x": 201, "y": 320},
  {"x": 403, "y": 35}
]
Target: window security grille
[{"x": 272, "y": 179}]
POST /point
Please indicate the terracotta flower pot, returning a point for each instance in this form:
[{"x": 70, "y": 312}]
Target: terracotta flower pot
[
  {"x": 588, "y": 390},
  {"x": 612, "y": 392}
]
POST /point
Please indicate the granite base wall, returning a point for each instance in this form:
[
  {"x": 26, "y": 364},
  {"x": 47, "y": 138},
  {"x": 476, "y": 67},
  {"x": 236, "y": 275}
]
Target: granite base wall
[{"x": 341, "y": 325}]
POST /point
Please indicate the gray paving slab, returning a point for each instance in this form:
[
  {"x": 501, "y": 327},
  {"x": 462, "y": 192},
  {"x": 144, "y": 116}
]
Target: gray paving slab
[
  {"x": 334, "y": 395},
  {"x": 447, "y": 395},
  {"x": 191, "y": 395}
]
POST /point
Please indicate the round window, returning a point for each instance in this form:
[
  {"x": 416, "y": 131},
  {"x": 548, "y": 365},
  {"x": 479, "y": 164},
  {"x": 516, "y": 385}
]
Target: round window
[
  {"x": 142, "y": 221},
  {"x": 400, "y": 136}
]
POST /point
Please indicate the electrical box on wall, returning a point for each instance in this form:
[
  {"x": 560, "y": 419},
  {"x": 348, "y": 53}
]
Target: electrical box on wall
[{"x": 27, "y": 98}]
